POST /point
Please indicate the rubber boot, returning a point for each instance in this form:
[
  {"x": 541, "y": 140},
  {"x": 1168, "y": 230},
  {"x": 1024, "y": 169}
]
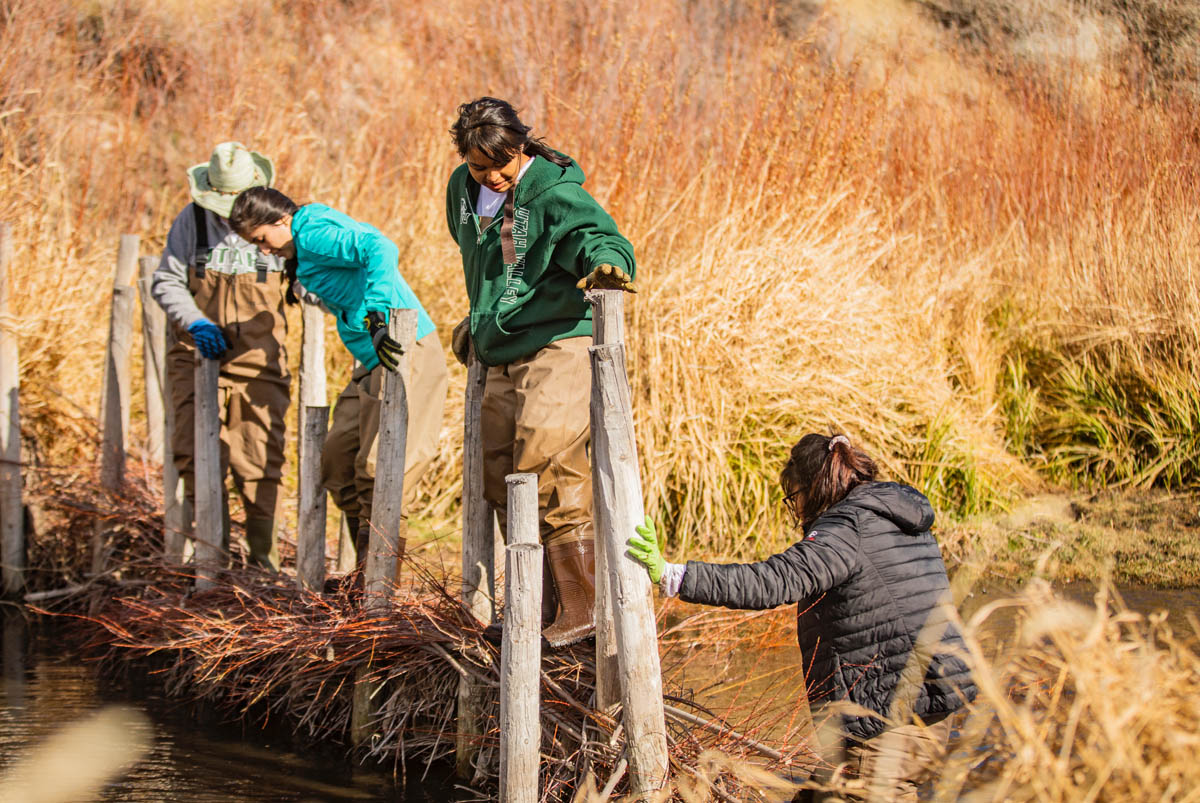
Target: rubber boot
[
  {"x": 362, "y": 545},
  {"x": 189, "y": 512},
  {"x": 573, "y": 564},
  {"x": 260, "y": 538},
  {"x": 495, "y": 631}
]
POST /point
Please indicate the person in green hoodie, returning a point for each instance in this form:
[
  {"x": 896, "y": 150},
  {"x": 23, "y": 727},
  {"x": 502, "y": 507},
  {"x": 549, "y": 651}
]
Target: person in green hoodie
[
  {"x": 531, "y": 240},
  {"x": 352, "y": 269}
]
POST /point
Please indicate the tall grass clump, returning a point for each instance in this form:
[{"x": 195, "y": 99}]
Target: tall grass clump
[
  {"x": 831, "y": 207},
  {"x": 1089, "y": 703}
]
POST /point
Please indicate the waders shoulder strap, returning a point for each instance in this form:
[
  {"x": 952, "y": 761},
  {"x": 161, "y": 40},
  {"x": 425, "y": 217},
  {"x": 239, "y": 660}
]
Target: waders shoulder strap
[
  {"x": 200, "y": 258},
  {"x": 507, "y": 247}
]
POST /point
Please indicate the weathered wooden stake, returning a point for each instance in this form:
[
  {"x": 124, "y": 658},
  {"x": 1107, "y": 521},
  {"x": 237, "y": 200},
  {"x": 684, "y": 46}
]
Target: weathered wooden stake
[
  {"x": 478, "y": 562},
  {"x": 314, "y": 425},
  {"x": 114, "y": 399},
  {"x": 154, "y": 359},
  {"x": 12, "y": 530},
  {"x": 115, "y": 393},
  {"x": 608, "y": 327},
  {"x": 209, "y": 483},
  {"x": 388, "y": 526},
  {"x": 521, "y": 652},
  {"x": 478, "y": 551},
  {"x": 177, "y": 510},
  {"x": 312, "y": 358},
  {"x": 618, "y": 492},
  {"x": 310, "y": 538}
]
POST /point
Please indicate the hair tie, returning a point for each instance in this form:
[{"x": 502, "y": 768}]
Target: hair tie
[{"x": 836, "y": 439}]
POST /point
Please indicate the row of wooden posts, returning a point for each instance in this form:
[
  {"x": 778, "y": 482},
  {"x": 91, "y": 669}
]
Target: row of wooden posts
[{"x": 627, "y": 666}]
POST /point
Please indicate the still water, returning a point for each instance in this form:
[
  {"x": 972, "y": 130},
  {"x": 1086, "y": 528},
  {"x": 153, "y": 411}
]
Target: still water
[{"x": 43, "y": 690}]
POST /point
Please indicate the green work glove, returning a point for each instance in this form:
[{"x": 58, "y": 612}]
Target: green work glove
[
  {"x": 643, "y": 547},
  {"x": 607, "y": 277},
  {"x": 388, "y": 350}
]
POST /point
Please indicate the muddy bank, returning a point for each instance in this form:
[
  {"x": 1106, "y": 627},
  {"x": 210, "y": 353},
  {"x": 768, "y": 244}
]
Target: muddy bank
[{"x": 1136, "y": 538}]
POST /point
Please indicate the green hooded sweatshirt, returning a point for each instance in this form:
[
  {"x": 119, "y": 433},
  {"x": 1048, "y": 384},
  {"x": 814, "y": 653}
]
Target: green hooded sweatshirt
[{"x": 561, "y": 234}]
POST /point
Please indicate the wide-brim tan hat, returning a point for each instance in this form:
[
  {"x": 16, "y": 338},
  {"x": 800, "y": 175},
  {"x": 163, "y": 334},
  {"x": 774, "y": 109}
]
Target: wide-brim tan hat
[{"x": 232, "y": 168}]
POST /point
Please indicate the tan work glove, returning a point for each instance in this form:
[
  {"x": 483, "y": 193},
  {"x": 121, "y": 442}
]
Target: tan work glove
[
  {"x": 607, "y": 277},
  {"x": 460, "y": 340}
]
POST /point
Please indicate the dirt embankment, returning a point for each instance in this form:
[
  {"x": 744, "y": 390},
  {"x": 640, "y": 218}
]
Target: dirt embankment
[{"x": 1135, "y": 537}]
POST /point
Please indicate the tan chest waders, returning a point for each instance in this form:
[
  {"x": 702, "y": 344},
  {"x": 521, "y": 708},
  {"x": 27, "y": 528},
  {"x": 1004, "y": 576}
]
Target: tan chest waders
[{"x": 237, "y": 290}]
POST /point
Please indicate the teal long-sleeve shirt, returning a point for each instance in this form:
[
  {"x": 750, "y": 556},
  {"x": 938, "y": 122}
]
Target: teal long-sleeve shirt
[{"x": 354, "y": 269}]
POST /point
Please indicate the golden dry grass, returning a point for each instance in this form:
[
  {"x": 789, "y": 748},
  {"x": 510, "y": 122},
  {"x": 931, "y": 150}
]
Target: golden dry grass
[{"x": 857, "y": 222}]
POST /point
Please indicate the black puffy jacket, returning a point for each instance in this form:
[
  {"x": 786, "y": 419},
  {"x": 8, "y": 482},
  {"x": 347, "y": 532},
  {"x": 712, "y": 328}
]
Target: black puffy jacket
[{"x": 868, "y": 576}]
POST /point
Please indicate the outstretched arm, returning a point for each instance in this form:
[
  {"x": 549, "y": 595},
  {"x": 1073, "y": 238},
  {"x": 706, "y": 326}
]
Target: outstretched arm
[{"x": 823, "y": 560}]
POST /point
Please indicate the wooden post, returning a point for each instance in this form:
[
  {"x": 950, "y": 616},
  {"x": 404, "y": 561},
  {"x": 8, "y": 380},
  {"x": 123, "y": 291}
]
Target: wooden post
[
  {"x": 521, "y": 652},
  {"x": 310, "y": 538},
  {"x": 618, "y": 493},
  {"x": 154, "y": 359},
  {"x": 209, "y": 483},
  {"x": 314, "y": 425},
  {"x": 12, "y": 530},
  {"x": 388, "y": 526},
  {"x": 312, "y": 358},
  {"x": 478, "y": 562},
  {"x": 177, "y": 510},
  {"x": 114, "y": 401},
  {"x": 115, "y": 392},
  {"x": 608, "y": 327},
  {"x": 478, "y": 550}
]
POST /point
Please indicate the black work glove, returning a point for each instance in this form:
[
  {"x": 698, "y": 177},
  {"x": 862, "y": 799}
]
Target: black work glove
[
  {"x": 460, "y": 340},
  {"x": 388, "y": 350}
]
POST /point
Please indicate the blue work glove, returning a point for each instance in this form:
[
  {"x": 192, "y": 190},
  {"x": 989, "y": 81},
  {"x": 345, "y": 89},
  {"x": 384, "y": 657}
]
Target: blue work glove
[
  {"x": 209, "y": 339},
  {"x": 388, "y": 350},
  {"x": 644, "y": 548}
]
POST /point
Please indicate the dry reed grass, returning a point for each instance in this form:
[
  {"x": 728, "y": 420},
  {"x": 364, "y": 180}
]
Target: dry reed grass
[{"x": 850, "y": 220}]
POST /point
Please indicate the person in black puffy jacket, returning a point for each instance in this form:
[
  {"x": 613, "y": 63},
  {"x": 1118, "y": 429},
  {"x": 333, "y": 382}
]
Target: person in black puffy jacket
[{"x": 872, "y": 617}]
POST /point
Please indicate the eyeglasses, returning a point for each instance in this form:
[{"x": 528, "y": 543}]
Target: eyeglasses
[{"x": 789, "y": 504}]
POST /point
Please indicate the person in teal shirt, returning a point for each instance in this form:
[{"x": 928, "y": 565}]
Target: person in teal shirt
[
  {"x": 352, "y": 269},
  {"x": 531, "y": 239}
]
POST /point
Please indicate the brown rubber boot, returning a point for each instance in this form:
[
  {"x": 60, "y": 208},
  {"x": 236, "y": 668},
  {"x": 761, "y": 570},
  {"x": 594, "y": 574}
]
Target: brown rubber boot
[
  {"x": 573, "y": 564},
  {"x": 495, "y": 631},
  {"x": 362, "y": 544}
]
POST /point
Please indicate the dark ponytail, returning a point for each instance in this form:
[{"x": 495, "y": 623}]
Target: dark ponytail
[
  {"x": 263, "y": 206},
  {"x": 491, "y": 126},
  {"x": 823, "y": 469}
]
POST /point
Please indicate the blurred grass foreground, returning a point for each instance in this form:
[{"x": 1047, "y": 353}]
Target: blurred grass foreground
[{"x": 963, "y": 231}]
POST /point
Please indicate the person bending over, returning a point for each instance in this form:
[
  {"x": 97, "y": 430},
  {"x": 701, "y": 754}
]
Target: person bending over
[
  {"x": 872, "y": 616},
  {"x": 353, "y": 270}
]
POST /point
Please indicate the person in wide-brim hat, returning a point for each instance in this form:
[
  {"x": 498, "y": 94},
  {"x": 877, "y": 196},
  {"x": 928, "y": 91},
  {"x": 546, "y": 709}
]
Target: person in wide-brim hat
[
  {"x": 216, "y": 183},
  {"x": 225, "y": 301}
]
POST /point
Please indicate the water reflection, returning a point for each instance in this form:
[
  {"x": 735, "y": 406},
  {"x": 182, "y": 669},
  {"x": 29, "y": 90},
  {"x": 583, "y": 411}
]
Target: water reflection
[{"x": 186, "y": 762}]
